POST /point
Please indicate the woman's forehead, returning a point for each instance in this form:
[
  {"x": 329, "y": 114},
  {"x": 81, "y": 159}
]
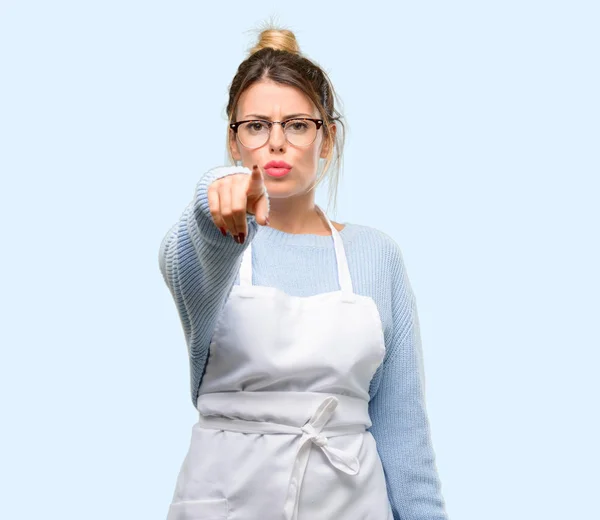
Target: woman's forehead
[{"x": 274, "y": 100}]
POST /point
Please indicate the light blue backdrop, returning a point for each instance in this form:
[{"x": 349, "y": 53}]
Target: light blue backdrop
[{"x": 473, "y": 141}]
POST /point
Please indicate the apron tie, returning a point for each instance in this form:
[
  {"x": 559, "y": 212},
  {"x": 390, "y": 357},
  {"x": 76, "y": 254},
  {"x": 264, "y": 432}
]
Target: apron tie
[{"x": 341, "y": 460}]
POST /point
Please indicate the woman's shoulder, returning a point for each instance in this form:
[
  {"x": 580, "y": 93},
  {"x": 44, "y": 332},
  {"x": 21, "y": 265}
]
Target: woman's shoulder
[
  {"x": 372, "y": 242},
  {"x": 360, "y": 234}
]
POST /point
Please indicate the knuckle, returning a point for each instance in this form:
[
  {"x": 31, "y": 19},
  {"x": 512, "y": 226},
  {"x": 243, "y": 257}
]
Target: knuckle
[{"x": 238, "y": 206}]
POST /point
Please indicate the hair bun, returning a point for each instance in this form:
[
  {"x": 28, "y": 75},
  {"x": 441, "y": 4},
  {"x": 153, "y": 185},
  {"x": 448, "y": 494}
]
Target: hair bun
[{"x": 278, "y": 39}]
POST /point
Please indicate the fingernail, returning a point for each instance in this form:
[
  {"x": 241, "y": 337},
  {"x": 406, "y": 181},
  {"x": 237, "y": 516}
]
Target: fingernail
[
  {"x": 267, "y": 221},
  {"x": 242, "y": 237},
  {"x": 236, "y": 238},
  {"x": 223, "y": 232}
]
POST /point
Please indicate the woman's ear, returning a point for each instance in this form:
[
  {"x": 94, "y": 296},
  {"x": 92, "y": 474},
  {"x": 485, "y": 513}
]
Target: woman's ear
[{"x": 325, "y": 146}]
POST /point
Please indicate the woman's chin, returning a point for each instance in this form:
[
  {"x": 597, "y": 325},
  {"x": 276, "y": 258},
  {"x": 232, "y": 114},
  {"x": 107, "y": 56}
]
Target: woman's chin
[
  {"x": 281, "y": 189},
  {"x": 286, "y": 187}
]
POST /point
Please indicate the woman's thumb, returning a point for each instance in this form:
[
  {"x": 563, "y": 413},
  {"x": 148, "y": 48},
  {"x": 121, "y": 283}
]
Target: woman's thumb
[{"x": 261, "y": 210}]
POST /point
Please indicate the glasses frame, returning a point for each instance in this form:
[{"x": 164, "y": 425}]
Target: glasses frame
[{"x": 234, "y": 127}]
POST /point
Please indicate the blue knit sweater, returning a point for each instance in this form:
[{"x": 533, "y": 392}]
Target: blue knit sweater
[{"x": 200, "y": 266}]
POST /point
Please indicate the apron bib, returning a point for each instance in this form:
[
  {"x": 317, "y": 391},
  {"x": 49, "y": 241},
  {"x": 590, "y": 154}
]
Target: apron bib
[{"x": 283, "y": 408}]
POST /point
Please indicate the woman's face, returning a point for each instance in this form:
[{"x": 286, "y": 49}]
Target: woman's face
[{"x": 278, "y": 102}]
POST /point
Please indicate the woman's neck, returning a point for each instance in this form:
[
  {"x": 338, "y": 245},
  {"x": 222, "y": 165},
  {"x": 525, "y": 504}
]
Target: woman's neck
[{"x": 298, "y": 216}]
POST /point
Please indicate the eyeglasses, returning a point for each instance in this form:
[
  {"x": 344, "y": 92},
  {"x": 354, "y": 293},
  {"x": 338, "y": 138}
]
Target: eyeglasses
[{"x": 298, "y": 132}]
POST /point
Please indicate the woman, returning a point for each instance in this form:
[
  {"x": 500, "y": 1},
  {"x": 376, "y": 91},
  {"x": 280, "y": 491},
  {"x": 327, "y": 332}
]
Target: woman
[{"x": 303, "y": 335}]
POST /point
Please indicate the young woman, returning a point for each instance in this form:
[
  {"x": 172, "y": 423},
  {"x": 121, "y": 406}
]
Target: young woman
[{"x": 303, "y": 336}]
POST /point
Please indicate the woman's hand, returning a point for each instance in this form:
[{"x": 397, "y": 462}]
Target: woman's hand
[{"x": 232, "y": 197}]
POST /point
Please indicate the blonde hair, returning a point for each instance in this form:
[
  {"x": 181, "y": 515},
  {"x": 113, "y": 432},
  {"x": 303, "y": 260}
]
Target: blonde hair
[{"x": 277, "y": 57}]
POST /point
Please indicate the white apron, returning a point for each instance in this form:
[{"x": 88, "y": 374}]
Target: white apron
[{"x": 283, "y": 408}]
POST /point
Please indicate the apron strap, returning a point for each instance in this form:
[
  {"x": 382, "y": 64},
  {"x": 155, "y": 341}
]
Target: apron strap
[
  {"x": 344, "y": 279},
  {"x": 246, "y": 267}
]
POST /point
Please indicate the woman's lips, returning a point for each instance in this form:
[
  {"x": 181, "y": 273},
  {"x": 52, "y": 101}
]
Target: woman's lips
[{"x": 277, "y": 172}]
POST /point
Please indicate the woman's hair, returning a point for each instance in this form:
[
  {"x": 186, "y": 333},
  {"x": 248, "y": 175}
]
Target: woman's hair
[{"x": 277, "y": 57}]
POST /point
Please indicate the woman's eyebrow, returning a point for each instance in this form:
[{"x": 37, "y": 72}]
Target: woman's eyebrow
[{"x": 259, "y": 116}]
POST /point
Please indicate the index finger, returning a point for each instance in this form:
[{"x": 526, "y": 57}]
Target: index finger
[
  {"x": 238, "y": 205},
  {"x": 257, "y": 184}
]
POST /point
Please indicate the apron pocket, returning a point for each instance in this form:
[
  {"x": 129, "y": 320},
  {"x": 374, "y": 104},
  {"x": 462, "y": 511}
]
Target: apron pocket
[{"x": 206, "y": 509}]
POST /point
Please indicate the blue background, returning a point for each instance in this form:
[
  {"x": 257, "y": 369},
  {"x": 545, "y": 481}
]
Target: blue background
[{"x": 473, "y": 140}]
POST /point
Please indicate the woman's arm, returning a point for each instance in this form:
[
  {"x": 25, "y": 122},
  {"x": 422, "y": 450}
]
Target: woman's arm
[
  {"x": 399, "y": 415},
  {"x": 199, "y": 266}
]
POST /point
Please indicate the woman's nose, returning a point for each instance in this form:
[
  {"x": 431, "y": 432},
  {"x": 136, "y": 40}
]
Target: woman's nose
[{"x": 277, "y": 137}]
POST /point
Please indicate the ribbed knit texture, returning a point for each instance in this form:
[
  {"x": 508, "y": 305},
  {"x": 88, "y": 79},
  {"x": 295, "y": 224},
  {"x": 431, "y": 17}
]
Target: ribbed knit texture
[{"x": 200, "y": 266}]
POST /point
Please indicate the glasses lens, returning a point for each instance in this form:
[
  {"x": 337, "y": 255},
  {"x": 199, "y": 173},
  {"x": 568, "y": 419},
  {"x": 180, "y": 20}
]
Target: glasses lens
[
  {"x": 253, "y": 134},
  {"x": 299, "y": 132}
]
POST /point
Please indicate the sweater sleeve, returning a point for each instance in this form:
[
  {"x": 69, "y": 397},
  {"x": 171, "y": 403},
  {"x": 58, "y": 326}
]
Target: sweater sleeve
[
  {"x": 199, "y": 266},
  {"x": 398, "y": 412}
]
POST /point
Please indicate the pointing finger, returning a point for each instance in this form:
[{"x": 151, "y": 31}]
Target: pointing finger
[{"x": 256, "y": 181}]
